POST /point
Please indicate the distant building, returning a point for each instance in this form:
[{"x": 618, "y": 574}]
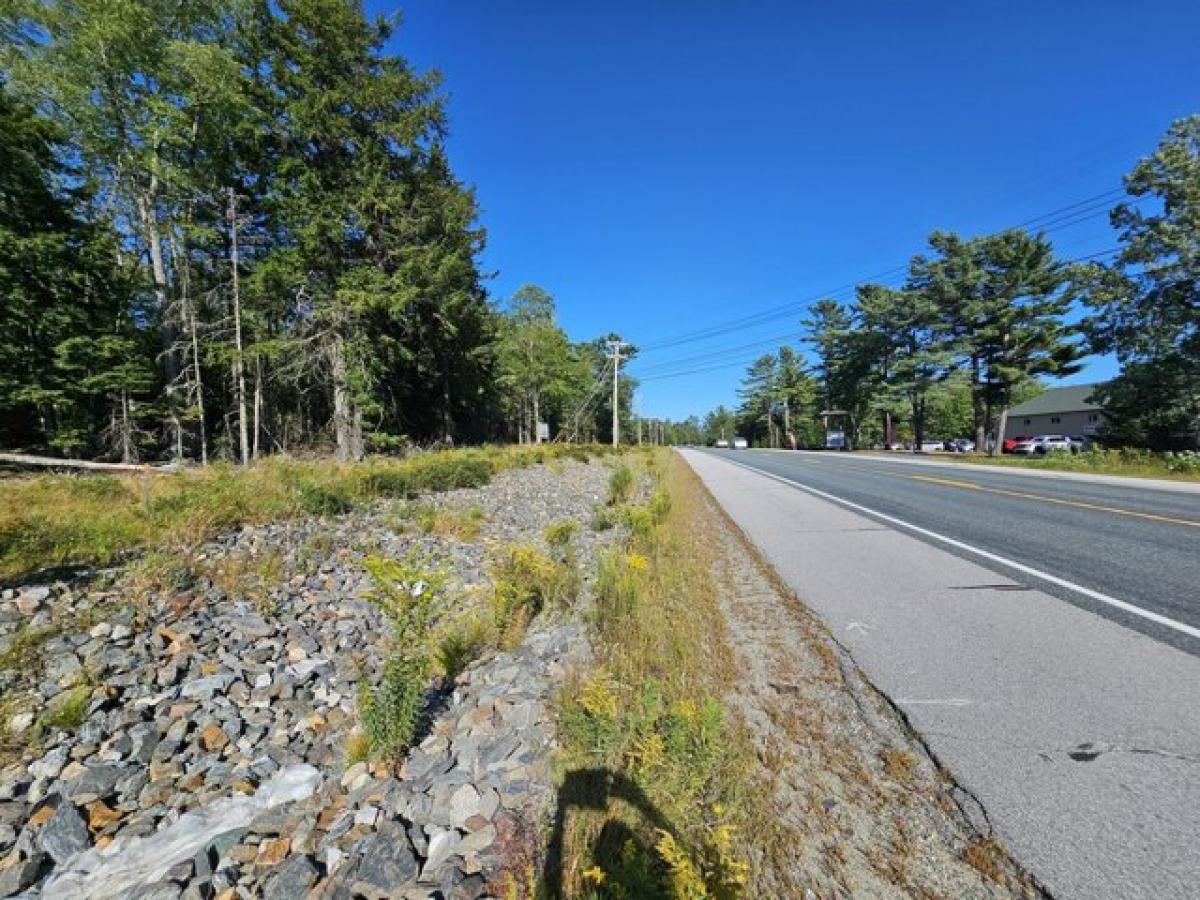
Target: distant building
[{"x": 1061, "y": 410}]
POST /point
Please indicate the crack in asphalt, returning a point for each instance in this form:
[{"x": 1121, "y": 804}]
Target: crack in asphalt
[{"x": 1085, "y": 752}]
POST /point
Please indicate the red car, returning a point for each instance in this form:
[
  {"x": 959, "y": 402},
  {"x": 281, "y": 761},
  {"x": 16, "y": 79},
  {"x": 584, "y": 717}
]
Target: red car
[{"x": 1010, "y": 443}]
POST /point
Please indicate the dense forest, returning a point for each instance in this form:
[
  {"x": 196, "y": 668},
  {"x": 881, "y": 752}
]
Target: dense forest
[{"x": 230, "y": 228}]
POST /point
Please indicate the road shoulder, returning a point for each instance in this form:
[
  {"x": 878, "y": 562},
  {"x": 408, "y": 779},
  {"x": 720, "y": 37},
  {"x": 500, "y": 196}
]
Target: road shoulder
[
  {"x": 1078, "y": 735},
  {"x": 863, "y": 808}
]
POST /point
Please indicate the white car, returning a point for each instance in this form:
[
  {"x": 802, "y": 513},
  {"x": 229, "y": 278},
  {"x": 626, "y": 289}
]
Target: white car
[
  {"x": 740, "y": 444},
  {"x": 722, "y": 444},
  {"x": 1047, "y": 443}
]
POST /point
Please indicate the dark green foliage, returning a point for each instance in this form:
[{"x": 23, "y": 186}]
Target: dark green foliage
[
  {"x": 1147, "y": 305},
  {"x": 322, "y": 500},
  {"x": 391, "y": 710},
  {"x": 59, "y": 282}
]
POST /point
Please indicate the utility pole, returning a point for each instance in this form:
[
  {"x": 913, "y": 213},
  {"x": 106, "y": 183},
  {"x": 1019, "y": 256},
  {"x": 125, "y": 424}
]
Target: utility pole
[{"x": 615, "y": 347}]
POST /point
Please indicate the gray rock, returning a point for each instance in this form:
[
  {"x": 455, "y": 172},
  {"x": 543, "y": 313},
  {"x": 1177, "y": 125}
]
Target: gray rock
[
  {"x": 208, "y": 687},
  {"x": 477, "y": 841},
  {"x": 291, "y": 879},
  {"x": 51, "y": 764},
  {"x": 95, "y": 783},
  {"x": 442, "y": 845},
  {"x": 63, "y": 668},
  {"x": 385, "y": 862},
  {"x": 252, "y": 626},
  {"x": 464, "y": 803},
  {"x": 163, "y": 890},
  {"x": 65, "y": 834},
  {"x": 22, "y": 875}
]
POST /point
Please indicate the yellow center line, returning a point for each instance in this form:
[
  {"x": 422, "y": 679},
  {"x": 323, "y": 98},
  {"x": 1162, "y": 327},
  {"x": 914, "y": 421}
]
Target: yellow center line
[
  {"x": 1079, "y": 504},
  {"x": 971, "y": 486}
]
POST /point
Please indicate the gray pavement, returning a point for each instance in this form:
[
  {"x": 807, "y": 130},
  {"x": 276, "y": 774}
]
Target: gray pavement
[{"x": 1075, "y": 722}]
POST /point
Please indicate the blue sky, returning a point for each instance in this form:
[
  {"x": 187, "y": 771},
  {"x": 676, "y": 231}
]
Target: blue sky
[{"x": 663, "y": 167}]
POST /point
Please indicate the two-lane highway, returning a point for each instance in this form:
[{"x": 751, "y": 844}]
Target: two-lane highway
[
  {"x": 1041, "y": 633},
  {"x": 1135, "y": 545}
]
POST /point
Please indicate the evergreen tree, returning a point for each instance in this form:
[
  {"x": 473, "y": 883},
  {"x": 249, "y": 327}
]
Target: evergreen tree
[
  {"x": 1001, "y": 305},
  {"x": 1147, "y": 306},
  {"x": 375, "y": 239},
  {"x": 846, "y": 363},
  {"x": 758, "y": 394},
  {"x": 912, "y": 352},
  {"x": 58, "y": 283}
]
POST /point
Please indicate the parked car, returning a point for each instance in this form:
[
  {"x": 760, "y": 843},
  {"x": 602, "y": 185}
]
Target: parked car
[
  {"x": 1048, "y": 443},
  {"x": 722, "y": 444},
  {"x": 1010, "y": 444},
  {"x": 962, "y": 445},
  {"x": 740, "y": 443}
]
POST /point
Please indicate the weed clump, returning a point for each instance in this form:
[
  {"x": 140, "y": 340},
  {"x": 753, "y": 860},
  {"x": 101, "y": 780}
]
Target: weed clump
[
  {"x": 459, "y": 646},
  {"x": 602, "y": 519},
  {"x": 526, "y": 581},
  {"x": 68, "y": 710},
  {"x": 620, "y": 484},
  {"x": 411, "y": 594},
  {"x": 428, "y": 519}
]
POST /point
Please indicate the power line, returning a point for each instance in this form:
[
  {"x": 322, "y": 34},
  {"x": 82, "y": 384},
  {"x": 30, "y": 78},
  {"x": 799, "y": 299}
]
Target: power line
[
  {"x": 698, "y": 357},
  {"x": 1055, "y": 220},
  {"x": 659, "y": 374},
  {"x": 615, "y": 348},
  {"x": 1110, "y": 194}
]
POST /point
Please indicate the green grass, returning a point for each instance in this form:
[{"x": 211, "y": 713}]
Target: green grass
[
  {"x": 54, "y": 520},
  {"x": 1133, "y": 462},
  {"x": 620, "y": 484},
  {"x": 68, "y": 710}
]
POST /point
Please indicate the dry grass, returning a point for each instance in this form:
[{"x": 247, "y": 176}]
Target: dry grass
[
  {"x": 245, "y": 576},
  {"x": 988, "y": 858},
  {"x": 671, "y": 766},
  {"x": 898, "y": 764},
  {"x": 55, "y": 520}
]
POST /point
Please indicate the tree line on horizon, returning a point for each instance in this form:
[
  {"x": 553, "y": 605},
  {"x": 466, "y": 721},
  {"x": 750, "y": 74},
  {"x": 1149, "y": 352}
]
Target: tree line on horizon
[
  {"x": 230, "y": 228},
  {"x": 978, "y": 322}
]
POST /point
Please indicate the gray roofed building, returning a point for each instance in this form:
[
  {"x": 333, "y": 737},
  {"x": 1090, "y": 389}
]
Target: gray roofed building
[{"x": 1060, "y": 410}]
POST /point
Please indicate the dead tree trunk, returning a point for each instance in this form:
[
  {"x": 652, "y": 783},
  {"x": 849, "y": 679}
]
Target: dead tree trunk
[
  {"x": 347, "y": 419},
  {"x": 239, "y": 361}
]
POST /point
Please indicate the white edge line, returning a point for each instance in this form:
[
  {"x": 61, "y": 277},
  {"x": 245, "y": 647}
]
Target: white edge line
[{"x": 1012, "y": 564}]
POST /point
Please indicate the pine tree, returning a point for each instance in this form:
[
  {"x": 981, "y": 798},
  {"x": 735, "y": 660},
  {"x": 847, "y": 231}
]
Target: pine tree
[
  {"x": 1147, "y": 306},
  {"x": 58, "y": 282}
]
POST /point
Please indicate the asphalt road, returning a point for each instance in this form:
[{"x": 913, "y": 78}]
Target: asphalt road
[
  {"x": 1134, "y": 544},
  {"x": 1041, "y": 633}
]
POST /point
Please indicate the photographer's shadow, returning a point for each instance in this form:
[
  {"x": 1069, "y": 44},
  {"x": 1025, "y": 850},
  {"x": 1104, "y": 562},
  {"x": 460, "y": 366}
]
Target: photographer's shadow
[{"x": 596, "y": 790}]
